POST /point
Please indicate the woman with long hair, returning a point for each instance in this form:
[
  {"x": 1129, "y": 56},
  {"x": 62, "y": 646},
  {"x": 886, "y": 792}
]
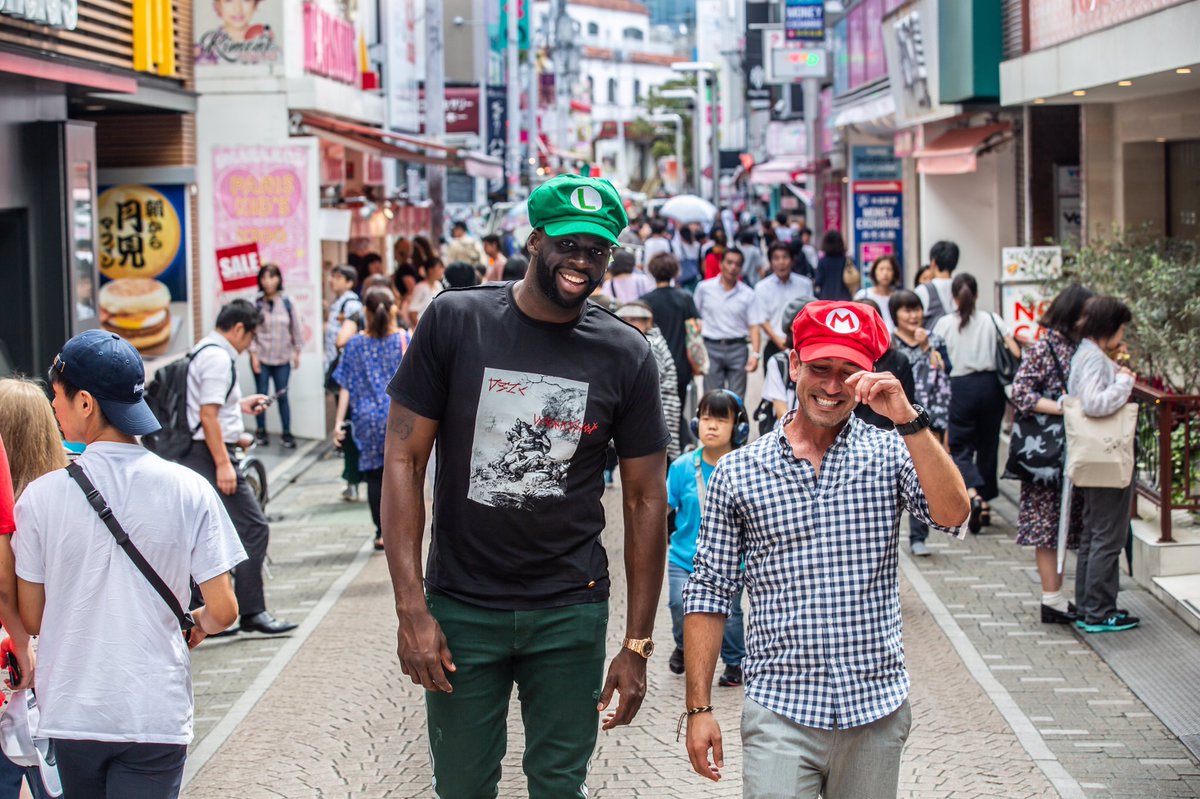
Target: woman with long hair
[
  {"x": 30, "y": 439},
  {"x": 275, "y": 350},
  {"x": 885, "y": 279},
  {"x": 712, "y": 258},
  {"x": 369, "y": 361},
  {"x": 1038, "y": 387},
  {"x": 977, "y": 398},
  {"x": 829, "y": 282}
]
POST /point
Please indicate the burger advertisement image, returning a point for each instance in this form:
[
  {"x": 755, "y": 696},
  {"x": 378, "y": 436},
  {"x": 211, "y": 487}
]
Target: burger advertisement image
[{"x": 143, "y": 266}]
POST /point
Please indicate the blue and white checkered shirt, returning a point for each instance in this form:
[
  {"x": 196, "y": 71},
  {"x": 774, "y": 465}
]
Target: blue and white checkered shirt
[{"x": 824, "y": 645}]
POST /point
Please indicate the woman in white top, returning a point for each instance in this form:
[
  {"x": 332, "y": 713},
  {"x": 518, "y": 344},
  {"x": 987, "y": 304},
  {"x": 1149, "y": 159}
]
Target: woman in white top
[
  {"x": 976, "y": 397},
  {"x": 426, "y": 290},
  {"x": 885, "y": 279}
]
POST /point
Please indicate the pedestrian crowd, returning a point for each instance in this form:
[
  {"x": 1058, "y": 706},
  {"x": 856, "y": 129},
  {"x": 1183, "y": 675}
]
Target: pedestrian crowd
[{"x": 542, "y": 376}]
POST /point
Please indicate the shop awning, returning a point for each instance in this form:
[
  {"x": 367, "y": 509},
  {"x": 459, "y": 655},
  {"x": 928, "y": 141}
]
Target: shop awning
[
  {"x": 778, "y": 171},
  {"x": 395, "y": 145},
  {"x": 804, "y": 195},
  {"x": 479, "y": 165},
  {"x": 956, "y": 152}
]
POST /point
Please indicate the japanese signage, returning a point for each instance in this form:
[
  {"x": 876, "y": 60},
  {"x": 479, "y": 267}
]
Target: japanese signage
[
  {"x": 329, "y": 45},
  {"x": 873, "y": 162},
  {"x": 804, "y": 21},
  {"x": 57, "y": 14},
  {"x": 499, "y": 32},
  {"x": 263, "y": 197},
  {"x": 462, "y": 110},
  {"x": 143, "y": 264},
  {"x": 831, "y": 206},
  {"x": 497, "y": 132},
  {"x": 238, "y": 32},
  {"x": 878, "y": 220},
  {"x": 237, "y": 267},
  {"x": 403, "y": 73},
  {"x": 1023, "y": 295},
  {"x": 1053, "y": 22}
]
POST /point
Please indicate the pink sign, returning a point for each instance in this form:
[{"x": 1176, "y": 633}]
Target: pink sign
[
  {"x": 832, "y": 205},
  {"x": 856, "y": 45},
  {"x": 876, "y": 64},
  {"x": 329, "y": 45},
  {"x": 1052, "y": 22},
  {"x": 876, "y": 249}
]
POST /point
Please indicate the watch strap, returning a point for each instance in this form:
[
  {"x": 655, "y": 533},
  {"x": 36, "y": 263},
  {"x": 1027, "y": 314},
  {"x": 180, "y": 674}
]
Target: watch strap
[{"x": 916, "y": 425}]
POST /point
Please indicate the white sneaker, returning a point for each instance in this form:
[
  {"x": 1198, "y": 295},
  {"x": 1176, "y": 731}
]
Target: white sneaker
[{"x": 919, "y": 549}]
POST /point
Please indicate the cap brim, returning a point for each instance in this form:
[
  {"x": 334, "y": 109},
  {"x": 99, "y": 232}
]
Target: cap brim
[
  {"x": 824, "y": 349},
  {"x": 131, "y": 418},
  {"x": 567, "y": 227}
]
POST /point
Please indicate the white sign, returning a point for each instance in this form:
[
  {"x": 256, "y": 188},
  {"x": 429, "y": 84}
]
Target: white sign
[
  {"x": 55, "y": 13},
  {"x": 788, "y": 64},
  {"x": 403, "y": 71},
  {"x": 1023, "y": 295},
  {"x": 1030, "y": 264}
]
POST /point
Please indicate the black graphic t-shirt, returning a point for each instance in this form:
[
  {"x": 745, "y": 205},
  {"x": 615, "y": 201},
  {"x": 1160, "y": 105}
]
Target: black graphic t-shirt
[{"x": 526, "y": 410}]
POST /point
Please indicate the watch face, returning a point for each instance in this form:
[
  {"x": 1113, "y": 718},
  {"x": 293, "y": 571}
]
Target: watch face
[{"x": 647, "y": 649}]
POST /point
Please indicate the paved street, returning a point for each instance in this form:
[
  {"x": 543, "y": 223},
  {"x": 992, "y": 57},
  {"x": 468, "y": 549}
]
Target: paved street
[{"x": 1003, "y": 705}]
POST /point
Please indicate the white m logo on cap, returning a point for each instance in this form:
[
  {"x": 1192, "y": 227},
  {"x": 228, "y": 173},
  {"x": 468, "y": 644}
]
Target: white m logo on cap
[{"x": 843, "y": 321}]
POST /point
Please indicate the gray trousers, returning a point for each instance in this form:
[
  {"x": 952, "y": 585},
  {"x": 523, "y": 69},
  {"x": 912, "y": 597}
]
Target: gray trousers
[
  {"x": 785, "y": 760},
  {"x": 1101, "y": 541},
  {"x": 726, "y": 366}
]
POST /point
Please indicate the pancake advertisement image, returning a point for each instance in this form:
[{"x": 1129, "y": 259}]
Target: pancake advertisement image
[{"x": 143, "y": 266}]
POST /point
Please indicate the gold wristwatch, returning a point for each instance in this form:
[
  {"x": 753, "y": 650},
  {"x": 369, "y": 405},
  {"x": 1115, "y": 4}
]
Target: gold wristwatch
[{"x": 643, "y": 646}]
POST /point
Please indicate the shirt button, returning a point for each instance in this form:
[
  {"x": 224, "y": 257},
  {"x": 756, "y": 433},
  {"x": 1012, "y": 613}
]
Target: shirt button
[{"x": 591, "y": 585}]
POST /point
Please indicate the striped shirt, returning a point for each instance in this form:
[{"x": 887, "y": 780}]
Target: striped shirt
[
  {"x": 824, "y": 645},
  {"x": 280, "y": 337}
]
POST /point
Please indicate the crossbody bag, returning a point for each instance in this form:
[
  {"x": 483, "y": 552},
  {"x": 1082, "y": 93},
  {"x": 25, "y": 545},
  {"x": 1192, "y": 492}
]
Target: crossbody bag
[{"x": 96, "y": 500}]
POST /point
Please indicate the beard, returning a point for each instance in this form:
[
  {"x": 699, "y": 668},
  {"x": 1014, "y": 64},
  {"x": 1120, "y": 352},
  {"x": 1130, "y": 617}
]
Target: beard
[{"x": 546, "y": 282}]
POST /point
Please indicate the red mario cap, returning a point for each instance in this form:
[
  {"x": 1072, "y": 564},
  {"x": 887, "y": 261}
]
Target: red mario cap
[{"x": 851, "y": 331}]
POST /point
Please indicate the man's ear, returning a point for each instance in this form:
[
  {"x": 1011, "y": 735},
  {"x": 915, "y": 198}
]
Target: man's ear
[{"x": 533, "y": 242}]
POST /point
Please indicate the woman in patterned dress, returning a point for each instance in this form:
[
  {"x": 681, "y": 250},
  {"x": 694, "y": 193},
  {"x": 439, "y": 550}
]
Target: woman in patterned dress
[
  {"x": 1040, "y": 383},
  {"x": 368, "y": 362}
]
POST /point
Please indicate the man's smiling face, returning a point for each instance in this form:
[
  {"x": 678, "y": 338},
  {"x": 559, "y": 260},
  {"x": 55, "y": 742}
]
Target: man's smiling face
[
  {"x": 569, "y": 268},
  {"x": 821, "y": 391}
]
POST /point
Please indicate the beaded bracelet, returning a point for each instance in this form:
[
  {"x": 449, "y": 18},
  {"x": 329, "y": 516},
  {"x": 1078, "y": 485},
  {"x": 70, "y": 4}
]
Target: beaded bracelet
[{"x": 691, "y": 711}]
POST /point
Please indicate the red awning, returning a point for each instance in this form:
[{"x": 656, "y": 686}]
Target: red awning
[
  {"x": 955, "y": 152},
  {"x": 581, "y": 107}
]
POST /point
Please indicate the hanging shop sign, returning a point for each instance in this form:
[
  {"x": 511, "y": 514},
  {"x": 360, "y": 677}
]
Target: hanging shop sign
[
  {"x": 402, "y": 72},
  {"x": 804, "y": 21},
  {"x": 63, "y": 14},
  {"x": 238, "y": 267},
  {"x": 497, "y": 137},
  {"x": 878, "y": 220},
  {"x": 143, "y": 264},
  {"x": 237, "y": 33},
  {"x": 329, "y": 45}
]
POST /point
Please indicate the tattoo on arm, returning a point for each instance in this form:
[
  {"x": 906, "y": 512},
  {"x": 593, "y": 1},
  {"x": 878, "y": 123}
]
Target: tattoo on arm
[{"x": 401, "y": 423}]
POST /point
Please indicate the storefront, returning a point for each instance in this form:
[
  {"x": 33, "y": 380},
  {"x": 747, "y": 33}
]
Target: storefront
[{"x": 95, "y": 199}]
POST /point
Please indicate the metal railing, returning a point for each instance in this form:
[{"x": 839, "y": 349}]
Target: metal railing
[{"x": 1167, "y": 456}]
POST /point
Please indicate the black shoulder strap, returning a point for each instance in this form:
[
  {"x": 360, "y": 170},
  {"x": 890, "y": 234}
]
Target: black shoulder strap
[{"x": 94, "y": 498}]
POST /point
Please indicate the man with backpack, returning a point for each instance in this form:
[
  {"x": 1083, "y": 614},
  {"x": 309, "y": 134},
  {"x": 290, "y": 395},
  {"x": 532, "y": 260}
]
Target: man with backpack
[
  {"x": 214, "y": 415},
  {"x": 936, "y": 295},
  {"x": 113, "y": 678}
]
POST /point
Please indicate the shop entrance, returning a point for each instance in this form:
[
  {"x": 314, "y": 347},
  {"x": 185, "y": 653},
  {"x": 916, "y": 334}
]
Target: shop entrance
[
  {"x": 1183, "y": 189},
  {"x": 16, "y": 322}
]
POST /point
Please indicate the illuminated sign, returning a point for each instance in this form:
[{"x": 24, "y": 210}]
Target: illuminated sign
[
  {"x": 804, "y": 21},
  {"x": 789, "y": 64},
  {"x": 60, "y": 14}
]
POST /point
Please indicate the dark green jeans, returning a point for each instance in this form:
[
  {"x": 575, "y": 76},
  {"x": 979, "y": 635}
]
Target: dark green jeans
[{"x": 556, "y": 658}]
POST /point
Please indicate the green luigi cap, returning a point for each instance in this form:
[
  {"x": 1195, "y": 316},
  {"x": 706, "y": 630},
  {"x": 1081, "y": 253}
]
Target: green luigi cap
[{"x": 574, "y": 204}]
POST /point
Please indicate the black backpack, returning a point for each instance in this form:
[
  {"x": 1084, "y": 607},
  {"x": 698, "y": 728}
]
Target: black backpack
[{"x": 167, "y": 397}]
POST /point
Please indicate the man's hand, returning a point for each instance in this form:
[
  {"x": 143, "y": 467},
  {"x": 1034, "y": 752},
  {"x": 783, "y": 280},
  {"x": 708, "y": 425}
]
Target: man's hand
[
  {"x": 255, "y": 364},
  {"x": 254, "y": 404},
  {"x": 626, "y": 675},
  {"x": 226, "y": 479},
  {"x": 882, "y": 393},
  {"x": 922, "y": 337},
  {"x": 296, "y": 361},
  {"x": 704, "y": 733},
  {"x": 25, "y": 662},
  {"x": 752, "y": 362},
  {"x": 423, "y": 651}
]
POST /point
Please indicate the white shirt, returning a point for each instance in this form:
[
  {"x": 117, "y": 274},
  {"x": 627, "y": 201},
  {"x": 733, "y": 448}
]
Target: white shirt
[
  {"x": 345, "y": 306},
  {"x": 112, "y": 663},
  {"x": 773, "y": 296},
  {"x": 775, "y": 380},
  {"x": 726, "y": 314},
  {"x": 209, "y": 379},
  {"x": 942, "y": 286},
  {"x": 422, "y": 295},
  {"x": 972, "y": 349},
  {"x": 655, "y": 245},
  {"x": 882, "y": 301}
]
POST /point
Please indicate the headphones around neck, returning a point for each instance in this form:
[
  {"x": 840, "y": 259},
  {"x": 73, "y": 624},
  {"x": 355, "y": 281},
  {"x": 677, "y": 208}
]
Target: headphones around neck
[{"x": 741, "y": 424}]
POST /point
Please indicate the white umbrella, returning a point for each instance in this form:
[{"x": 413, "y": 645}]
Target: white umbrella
[{"x": 688, "y": 208}]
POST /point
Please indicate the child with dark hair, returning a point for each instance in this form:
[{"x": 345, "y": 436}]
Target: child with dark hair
[{"x": 720, "y": 425}]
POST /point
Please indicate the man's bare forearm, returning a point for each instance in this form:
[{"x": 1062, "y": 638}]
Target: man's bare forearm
[
  {"x": 940, "y": 479},
  {"x": 214, "y": 437},
  {"x": 702, "y": 633},
  {"x": 402, "y": 511},
  {"x": 645, "y": 514}
]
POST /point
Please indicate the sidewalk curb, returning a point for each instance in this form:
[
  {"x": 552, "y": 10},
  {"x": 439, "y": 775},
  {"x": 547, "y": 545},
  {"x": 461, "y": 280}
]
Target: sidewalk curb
[{"x": 1024, "y": 730}]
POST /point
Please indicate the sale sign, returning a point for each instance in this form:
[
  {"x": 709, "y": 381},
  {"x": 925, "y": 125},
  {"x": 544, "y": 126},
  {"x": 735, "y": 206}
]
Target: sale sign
[{"x": 238, "y": 267}]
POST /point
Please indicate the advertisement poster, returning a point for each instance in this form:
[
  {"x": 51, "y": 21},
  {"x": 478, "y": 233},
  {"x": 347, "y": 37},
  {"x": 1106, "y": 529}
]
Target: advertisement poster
[
  {"x": 143, "y": 266},
  {"x": 878, "y": 221},
  {"x": 804, "y": 21},
  {"x": 238, "y": 32},
  {"x": 262, "y": 198},
  {"x": 1023, "y": 294},
  {"x": 832, "y": 206}
]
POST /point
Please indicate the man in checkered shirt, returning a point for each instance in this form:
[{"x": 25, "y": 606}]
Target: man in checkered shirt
[{"x": 813, "y": 509}]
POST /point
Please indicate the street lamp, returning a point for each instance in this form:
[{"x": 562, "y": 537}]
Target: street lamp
[
  {"x": 702, "y": 69},
  {"x": 677, "y": 121}
]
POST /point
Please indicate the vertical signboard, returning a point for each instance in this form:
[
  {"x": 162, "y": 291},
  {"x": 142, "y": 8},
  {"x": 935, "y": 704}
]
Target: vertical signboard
[
  {"x": 1024, "y": 272},
  {"x": 262, "y": 198},
  {"x": 878, "y": 207},
  {"x": 403, "y": 74},
  {"x": 143, "y": 266},
  {"x": 497, "y": 138},
  {"x": 804, "y": 21},
  {"x": 237, "y": 33}
]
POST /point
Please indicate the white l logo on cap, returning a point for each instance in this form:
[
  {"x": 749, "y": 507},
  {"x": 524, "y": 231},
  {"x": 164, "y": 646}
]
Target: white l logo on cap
[
  {"x": 585, "y": 198},
  {"x": 843, "y": 321}
]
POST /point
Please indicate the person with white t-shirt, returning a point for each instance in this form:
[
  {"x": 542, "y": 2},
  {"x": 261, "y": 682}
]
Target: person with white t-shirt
[
  {"x": 114, "y": 682},
  {"x": 937, "y": 296}
]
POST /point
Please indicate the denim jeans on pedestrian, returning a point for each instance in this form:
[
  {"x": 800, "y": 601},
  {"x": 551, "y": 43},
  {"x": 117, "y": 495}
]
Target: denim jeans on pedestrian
[
  {"x": 278, "y": 374},
  {"x": 10, "y": 780},
  {"x": 917, "y": 530},
  {"x": 733, "y": 644}
]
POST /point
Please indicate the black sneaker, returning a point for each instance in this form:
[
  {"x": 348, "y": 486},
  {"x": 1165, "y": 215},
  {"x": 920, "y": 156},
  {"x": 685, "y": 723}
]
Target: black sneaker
[
  {"x": 261, "y": 438},
  {"x": 287, "y": 441},
  {"x": 675, "y": 664},
  {"x": 731, "y": 678},
  {"x": 1052, "y": 615},
  {"x": 1114, "y": 623}
]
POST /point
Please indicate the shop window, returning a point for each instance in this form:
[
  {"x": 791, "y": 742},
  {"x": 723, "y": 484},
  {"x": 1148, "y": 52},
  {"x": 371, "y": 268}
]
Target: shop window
[
  {"x": 593, "y": 29},
  {"x": 637, "y": 91},
  {"x": 612, "y": 90},
  {"x": 633, "y": 34}
]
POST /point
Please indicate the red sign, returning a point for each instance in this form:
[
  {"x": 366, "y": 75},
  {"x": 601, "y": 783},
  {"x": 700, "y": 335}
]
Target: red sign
[
  {"x": 238, "y": 267},
  {"x": 329, "y": 45},
  {"x": 462, "y": 110},
  {"x": 832, "y": 205}
]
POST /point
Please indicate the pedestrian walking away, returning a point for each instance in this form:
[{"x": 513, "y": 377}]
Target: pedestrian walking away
[
  {"x": 934, "y": 283},
  {"x": 672, "y": 308},
  {"x": 830, "y": 279},
  {"x": 523, "y": 385},
  {"x": 813, "y": 511},
  {"x": 107, "y": 640},
  {"x": 214, "y": 411},
  {"x": 275, "y": 351},
  {"x": 731, "y": 318}
]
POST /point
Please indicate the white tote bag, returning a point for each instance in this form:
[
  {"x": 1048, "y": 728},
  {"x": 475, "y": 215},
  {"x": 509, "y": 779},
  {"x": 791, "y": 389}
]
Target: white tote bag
[{"x": 1099, "y": 448}]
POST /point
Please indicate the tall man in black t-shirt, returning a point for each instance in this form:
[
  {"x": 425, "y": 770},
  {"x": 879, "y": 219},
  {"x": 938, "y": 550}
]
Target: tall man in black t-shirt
[{"x": 523, "y": 385}]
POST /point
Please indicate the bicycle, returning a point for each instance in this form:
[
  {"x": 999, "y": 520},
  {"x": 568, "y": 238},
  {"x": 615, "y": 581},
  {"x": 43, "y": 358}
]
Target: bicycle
[{"x": 253, "y": 471}]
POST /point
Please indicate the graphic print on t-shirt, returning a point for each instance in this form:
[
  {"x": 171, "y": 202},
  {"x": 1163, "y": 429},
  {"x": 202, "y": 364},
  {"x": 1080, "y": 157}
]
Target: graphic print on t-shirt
[{"x": 526, "y": 432}]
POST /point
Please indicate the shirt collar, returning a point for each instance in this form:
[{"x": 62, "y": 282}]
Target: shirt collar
[
  {"x": 843, "y": 437},
  {"x": 222, "y": 342}
]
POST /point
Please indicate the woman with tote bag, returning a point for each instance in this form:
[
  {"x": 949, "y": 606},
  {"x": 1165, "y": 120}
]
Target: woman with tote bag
[{"x": 1102, "y": 389}]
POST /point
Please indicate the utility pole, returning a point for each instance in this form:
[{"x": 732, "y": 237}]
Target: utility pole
[
  {"x": 514, "y": 101},
  {"x": 435, "y": 116},
  {"x": 531, "y": 135},
  {"x": 714, "y": 108}
]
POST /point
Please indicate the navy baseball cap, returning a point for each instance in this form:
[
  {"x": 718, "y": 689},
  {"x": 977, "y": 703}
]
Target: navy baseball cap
[{"x": 110, "y": 369}]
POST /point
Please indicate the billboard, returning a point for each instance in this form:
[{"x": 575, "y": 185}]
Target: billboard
[
  {"x": 238, "y": 34},
  {"x": 804, "y": 21}
]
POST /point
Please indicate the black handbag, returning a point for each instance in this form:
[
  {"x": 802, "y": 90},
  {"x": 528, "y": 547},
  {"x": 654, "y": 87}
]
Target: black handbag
[
  {"x": 1006, "y": 363},
  {"x": 1038, "y": 443}
]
